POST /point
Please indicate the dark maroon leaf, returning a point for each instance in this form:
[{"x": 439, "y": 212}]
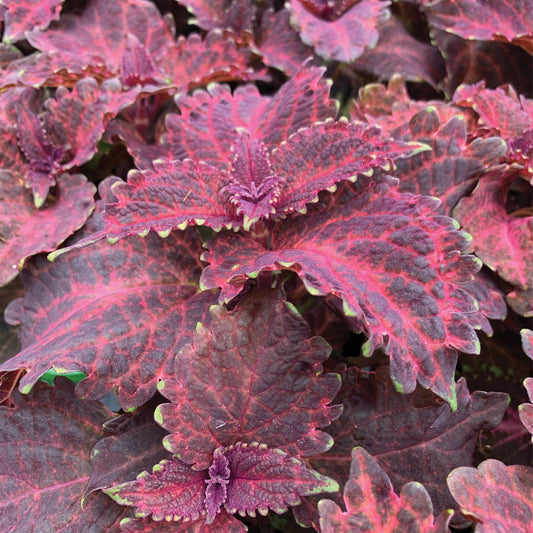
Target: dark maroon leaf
[
  {"x": 279, "y": 44},
  {"x": 46, "y": 443},
  {"x": 173, "y": 492},
  {"x": 342, "y": 35},
  {"x": 243, "y": 478},
  {"x": 26, "y": 230},
  {"x": 414, "y": 437},
  {"x": 116, "y": 313},
  {"x": 265, "y": 384},
  {"x": 404, "y": 292},
  {"x": 526, "y": 409},
  {"x": 501, "y": 241},
  {"x": 397, "y": 52},
  {"x": 453, "y": 166},
  {"x": 485, "y": 20},
  {"x": 28, "y": 15},
  {"x": 223, "y": 522},
  {"x": 496, "y": 496},
  {"x": 372, "y": 505},
  {"x": 134, "y": 445}
]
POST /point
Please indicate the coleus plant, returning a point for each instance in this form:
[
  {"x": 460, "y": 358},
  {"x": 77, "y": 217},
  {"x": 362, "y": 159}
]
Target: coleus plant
[{"x": 265, "y": 291}]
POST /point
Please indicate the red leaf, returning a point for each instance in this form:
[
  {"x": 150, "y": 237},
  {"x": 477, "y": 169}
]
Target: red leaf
[
  {"x": 453, "y": 166},
  {"x": 344, "y": 36},
  {"x": 133, "y": 444},
  {"x": 485, "y": 20},
  {"x": 414, "y": 437},
  {"x": 404, "y": 293},
  {"x": 46, "y": 442},
  {"x": 115, "y": 313},
  {"x": 372, "y": 505},
  {"x": 28, "y": 15},
  {"x": 26, "y": 230},
  {"x": 223, "y": 522},
  {"x": 173, "y": 492},
  {"x": 501, "y": 241},
  {"x": 265, "y": 384},
  {"x": 279, "y": 44},
  {"x": 397, "y": 52},
  {"x": 496, "y": 496}
]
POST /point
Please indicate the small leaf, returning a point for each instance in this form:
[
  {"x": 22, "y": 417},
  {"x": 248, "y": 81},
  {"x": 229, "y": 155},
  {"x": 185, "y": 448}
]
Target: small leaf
[
  {"x": 496, "y": 496},
  {"x": 372, "y": 505},
  {"x": 525, "y": 410}
]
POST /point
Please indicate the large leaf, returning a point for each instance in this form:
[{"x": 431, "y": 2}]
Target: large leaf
[
  {"x": 341, "y": 33},
  {"x": 501, "y": 241},
  {"x": 223, "y": 522},
  {"x": 264, "y": 383},
  {"x": 28, "y": 15},
  {"x": 116, "y": 313},
  {"x": 404, "y": 293},
  {"x": 244, "y": 479},
  {"x": 496, "y": 496},
  {"x": 414, "y": 437},
  {"x": 485, "y": 20},
  {"x": 26, "y": 230},
  {"x": 46, "y": 443},
  {"x": 372, "y": 504}
]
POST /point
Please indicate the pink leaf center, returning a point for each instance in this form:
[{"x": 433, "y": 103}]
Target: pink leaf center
[{"x": 329, "y": 10}]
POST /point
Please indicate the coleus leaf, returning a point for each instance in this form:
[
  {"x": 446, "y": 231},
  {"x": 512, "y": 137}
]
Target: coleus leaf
[
  {"x": 397, "y": 52},
  {"x": 501, "y": 241},
  {"x": 28, "y": 15},
  {"x": 242, "y": 478},
  {"x": 223, "y": 522},
  {"x": 527, "y": 341},
  {"x": 525, "y": 410},
  {"x": 257, "y": 185},
  {"x": 132, "y": 444},
  {"x": 279, "y": 44},
  {"x": 26, "y": 230},
  {"x": 46, "y": 442},
  {"x": 404, "y": 294},
  {"x": 484, "y": 20},
  {"x": 372, "y": 504},
  {"x": 115, "y": 313},
  {"x": 503, "y": 112},
  {"x": 341, "y": 33},
  {"x": 265, "y": 383},
  {"x": 414, "y": 437},
  {"x": 497, "y": 497},
  {"x": 453, "y": 166}
]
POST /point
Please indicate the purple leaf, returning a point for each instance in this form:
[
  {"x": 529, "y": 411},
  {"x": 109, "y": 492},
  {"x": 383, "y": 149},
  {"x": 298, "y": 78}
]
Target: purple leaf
[
  {"x": 496, "y": 496},
  {"x": 341, "y": 33},
  {"x": 263, "y": 478},
  {"x": 397, "y": 52},
  {"x": 243, "y": 479},
  {"x": 135, "y": 444},
  {"x": 372, "y": 504},
  {"x": 453, "y": 166},
  {"x": 115, "y": 313},
  {"x": 26, "y": 230},
  {"x": 279, "y": 44},
  {"x": 46, "y": 443},
  {"x": 173, "y": 492},
  {"x": 501, "y": 241},
  {"x": 484, "y": 20},
  {"x": 527, "y": 341},
  {"x": 404, "y": 291},
  {"x": 28, "y": 15},
  {"x": 223, "y": 522},
  {"x": 265, "y": 384},
  {"x": 414, "y": 437}
]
